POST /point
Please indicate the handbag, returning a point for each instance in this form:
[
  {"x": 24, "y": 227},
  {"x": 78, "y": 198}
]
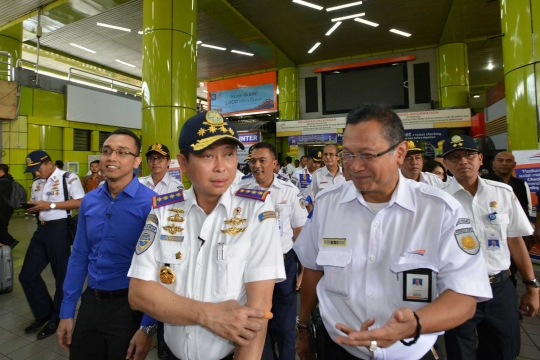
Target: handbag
[
  {"x": 72, "y": 220},
  {"x": 315, "y": 334}
]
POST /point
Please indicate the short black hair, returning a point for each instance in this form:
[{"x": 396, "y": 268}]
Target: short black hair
[
  {"x": 392, "y": 126},
  {"x": 270, "y": 147},
  {"x": 59, "y": 164},
  {"x": 431, "y": 165},
  {"x": 4, "y": 168},
  {"x": 303, "y": 156},
  {"x": 127, "y": 132},
  {"x": 95, "y": 162},
  {"x": 288, "y": 159}
]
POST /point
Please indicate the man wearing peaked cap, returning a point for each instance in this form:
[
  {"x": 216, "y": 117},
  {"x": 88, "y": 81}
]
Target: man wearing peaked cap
[
  {"x": 209, "y": 257},
  {"x": 303, "y": 178},
  {"x": 158, "y": 157},
  {"x": 413, "y": 163},
  {"x": 499, "y": 223}
]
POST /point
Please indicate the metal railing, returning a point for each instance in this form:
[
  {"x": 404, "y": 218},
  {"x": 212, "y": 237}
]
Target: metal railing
[{"x": 6, "y": 67}]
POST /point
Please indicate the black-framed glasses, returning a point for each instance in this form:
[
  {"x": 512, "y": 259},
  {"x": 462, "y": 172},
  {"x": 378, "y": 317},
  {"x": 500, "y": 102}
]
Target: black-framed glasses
[
  {"x": 367, "y": 157},
  {"x": 455, "y": 157},
  {"x": 156, "y": 159},
  {"x": 119, "y": 152}
]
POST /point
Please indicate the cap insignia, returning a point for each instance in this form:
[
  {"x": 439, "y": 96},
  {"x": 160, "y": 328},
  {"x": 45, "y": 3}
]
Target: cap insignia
[{"x": 456, "y": 141}]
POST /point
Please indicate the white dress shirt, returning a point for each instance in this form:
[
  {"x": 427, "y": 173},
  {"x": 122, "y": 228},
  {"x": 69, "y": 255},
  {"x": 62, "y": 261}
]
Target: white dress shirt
[
  {"x": 430, "y": 179},
  {"x": 322, "y": 178},
  {"x": 167, "y": 185}
]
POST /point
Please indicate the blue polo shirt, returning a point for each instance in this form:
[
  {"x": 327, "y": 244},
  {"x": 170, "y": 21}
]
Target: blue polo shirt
[{"x": 107, "y": 233}]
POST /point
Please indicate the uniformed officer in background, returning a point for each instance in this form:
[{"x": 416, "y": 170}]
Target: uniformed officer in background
[
  {"x": 367, "y": 242},
  {"x": 209, "y": 257},
  {"x": 499, "y": 223},
  {"x": 413, "y": 163},
  {"x": 303, "y": 178},
  {"x": 158, "y": 157},
  {"x": 291, "y": 215},
  {"x": 51, "y": 241},
  {"x": 328, "y": 175}
]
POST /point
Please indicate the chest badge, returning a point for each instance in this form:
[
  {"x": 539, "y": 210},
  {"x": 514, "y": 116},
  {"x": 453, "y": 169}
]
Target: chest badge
[
  {"x": 176, "y": 217},
  {"x": 234, "y": 224},
  {"x": 173, "y": 229},
  {"x": 166, "y": 274}
]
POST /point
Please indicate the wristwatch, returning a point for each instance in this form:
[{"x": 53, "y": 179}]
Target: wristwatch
[
  {"x": 52, "y": 206},
  {"x": 534, "y": 283},
  {"x": 149, "y": 330}
]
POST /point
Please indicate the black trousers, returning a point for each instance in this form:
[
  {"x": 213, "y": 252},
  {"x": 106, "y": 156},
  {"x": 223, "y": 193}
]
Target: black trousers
[
  {"x": 497, "y": 324},
  {"x": 49, "y": 244},
  {"x": 103, "y": 328},
  {"x": 5, "y": 215},
  {"x": 172, "y": 357}
]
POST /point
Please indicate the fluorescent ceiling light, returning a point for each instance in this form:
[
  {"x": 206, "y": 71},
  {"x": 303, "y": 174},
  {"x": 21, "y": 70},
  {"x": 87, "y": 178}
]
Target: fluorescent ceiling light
[
  {"x": 124, "y": 63},
  {"x": 476, "y": 96},
  {"x": 140, "y": 32},
  {"x": 399, "y": 32},
  {"x": 348, "y": 17},
  {"x": 93, "y": 85},
  {"x": 344, "y": 6},
  {"x": 82, "y": 48},
  {"x": 199, "y": 42},
  {"x": 114, "y": 27},
  {"x": 308, "y": 4},
  {"x": 336, "y": 25},
  {"x": 490, "y": 66},
  {"x": 314, "y": 47},
  {"x": 370, "y": 23},
  {"x": 242, "y": 53},
  {"x": 214, "y": 47}
]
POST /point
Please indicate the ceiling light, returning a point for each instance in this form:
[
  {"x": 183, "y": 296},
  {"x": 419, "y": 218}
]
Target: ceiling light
[
  {"x": 370, "y": 23},
  {"x": 336, "y": 25},
  {"x": 308, "y": 4},
  {"x": 92, "y": 85},
  {"x": 490, "y": 66},
  {"x": 140, "y": 32},
  {"x": 199, "y": 42},
  {"x": 214, "y": 47},
  {"x": 348, "y": 17},
  {"x": 114, "y": 27},
  {"x": 82, "y": 48},
  {"x": 124, "y": 63},
  {"x": 399, "y": 32},
  {"x": 314, "y": 47},
  {"x": 476, "y": 96},
  {"x": 242, "y": 53},
  {"x": 344, "y": 6}
]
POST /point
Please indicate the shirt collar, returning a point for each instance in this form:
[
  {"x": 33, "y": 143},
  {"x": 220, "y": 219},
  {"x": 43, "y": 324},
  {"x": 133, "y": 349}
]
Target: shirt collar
[
  {"x": 57, "y": 174},
  {"x": 130, "y": 189},
  {"x": 225, "y": 200},
  {"x": 454, "y": 185},
  {"x": 327, "y": 172}
]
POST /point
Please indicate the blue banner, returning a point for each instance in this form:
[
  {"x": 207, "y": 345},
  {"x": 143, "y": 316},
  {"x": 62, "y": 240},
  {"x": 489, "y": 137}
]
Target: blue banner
[
  {"x": 314, "y": 139},
  {"x": 432, "y": 136},
  {"x": 252, "y": 98}
]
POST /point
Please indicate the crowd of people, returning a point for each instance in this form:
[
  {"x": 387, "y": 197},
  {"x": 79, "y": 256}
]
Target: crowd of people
[{"x": 386, "y": 249}]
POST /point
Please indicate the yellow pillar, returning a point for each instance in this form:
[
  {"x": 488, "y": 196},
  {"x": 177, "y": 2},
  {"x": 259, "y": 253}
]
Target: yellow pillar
[
  {"x": 11, "y": 42},
  {"x": 453, "y": 67},
  {"x": 289, "y": 105},
  {"x": 169, "y": 71},
  {"x": 520, "y": 24}
]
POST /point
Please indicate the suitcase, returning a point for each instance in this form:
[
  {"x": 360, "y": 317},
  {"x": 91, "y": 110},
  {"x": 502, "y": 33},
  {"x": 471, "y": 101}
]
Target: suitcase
[{"x": 6, "y": 270}]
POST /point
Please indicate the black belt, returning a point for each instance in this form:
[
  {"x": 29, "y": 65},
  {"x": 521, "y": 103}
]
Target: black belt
[
  {"x": 494, "y": 279},
  {"x": 104, "y": 295},
  {"x": 43, "y": 223}
]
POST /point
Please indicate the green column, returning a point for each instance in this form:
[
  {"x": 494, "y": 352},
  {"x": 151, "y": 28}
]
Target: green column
[
  {"x": 11, "y": 42},
  {"x": 453, "y": 67},
  {"x": 289, "y": 106},
  {"x": 520, "y": 24},
  {"x": 169, "y": 71}
]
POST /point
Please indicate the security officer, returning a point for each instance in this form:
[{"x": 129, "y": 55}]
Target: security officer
[
  {"x": 303, "y": 178},
  {"x": 208, "y": 257},
  {"x": 413, "y": 163},
  {"x": 330, "y": 174},
  {"x": 367, "y": 242},
  {"x": 291, "y": 215},
  {"x": 50, "y": 242},
  {"x": 159, "y": 160},
  {"x": 499, "y": 223}
]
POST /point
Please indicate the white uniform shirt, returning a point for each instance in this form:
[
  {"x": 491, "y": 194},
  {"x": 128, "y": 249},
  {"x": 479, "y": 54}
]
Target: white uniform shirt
[
  {"x": 288, "y": 169},
  {"x": 363, "y": 256},
  {"x": 290, "y": 208},
  {"x": 238, "y": 177},
  {"x": 322, "y": 178},
  {"x": 510, "y": 220},
  {"x": 52, "y": 190},
  {"x": 430, "y": 179},
  {"x": 207, "y": 271},
  {"x": 303, "y": 186},
  {"x": 167, "y": 185}
]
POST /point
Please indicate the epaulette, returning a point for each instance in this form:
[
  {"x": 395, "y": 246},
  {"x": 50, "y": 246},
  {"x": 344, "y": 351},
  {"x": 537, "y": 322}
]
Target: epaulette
[
  {"x": 500, "y": 184},
  {"x": 36, "y": 178},
  {"x": 166, "y": 199},
  {"x": 250, "y": 175},
  {"x": 66, "y": 174},
  {"x": 252, "y": 194},
  {"x": 281, "y": 177},
  {"x": 438, "y": 192}
]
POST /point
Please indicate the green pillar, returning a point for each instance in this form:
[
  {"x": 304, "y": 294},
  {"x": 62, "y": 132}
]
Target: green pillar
[
  {"x": 520, "y": 24},
  {"x": 169, "y": 71},
  {"x": 289, "y": 105},
  {"x": 453, "y": 67},
  {"x": 11, "y": 42}
]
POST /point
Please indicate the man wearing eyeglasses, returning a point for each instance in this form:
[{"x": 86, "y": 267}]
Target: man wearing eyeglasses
[
  {"x": 159, "y": 159},
  {"x": 499, "y": 223},
  {"x": 111, "y": 219},
  {"x": 366, "y": 242},
  {"x": 413, "y": 163},
  {"x": 328, "y": 175}
]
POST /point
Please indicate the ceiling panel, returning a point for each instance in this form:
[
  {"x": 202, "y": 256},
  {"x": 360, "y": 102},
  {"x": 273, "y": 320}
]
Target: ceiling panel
[{"x": 13, "y": 9}]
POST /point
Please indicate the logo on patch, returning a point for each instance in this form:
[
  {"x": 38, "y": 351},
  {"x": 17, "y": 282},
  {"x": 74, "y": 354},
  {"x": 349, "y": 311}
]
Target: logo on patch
[
  {"x": 466, "y": 240},
  {"x": 417, "y": 252},
  {"x": 146, "y": 239}
]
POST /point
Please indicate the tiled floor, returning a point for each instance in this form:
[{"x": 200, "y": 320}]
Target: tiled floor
[{"x": 15, "y": 314}]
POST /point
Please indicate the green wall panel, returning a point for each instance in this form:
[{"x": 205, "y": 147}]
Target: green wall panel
[
  {"x": 27, "y": 101},
  {"x": 48, "y": 104},
  {"x": 50, "y": 138}
]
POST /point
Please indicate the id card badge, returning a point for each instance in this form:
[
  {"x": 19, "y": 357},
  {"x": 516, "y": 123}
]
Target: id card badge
[
  {"x": 417, "y": 285},
  {"x": 493, "y": 242},
  {"x": 279, "y": 220}
]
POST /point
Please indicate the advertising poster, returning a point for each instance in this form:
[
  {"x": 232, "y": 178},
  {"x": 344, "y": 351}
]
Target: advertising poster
[
  {"x": 254, "y": 98},
  {"x": 433, "y": 136},
  {"x": 174, "y": 170},
  {"x": 313, "y": 139},
  {"x": 528, "y": 169},
  {"x": 248, "y": 139}
]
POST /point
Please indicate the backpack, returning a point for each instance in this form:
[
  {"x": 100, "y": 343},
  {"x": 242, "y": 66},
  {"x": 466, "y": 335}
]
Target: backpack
[{"x": 18, "y": 194}]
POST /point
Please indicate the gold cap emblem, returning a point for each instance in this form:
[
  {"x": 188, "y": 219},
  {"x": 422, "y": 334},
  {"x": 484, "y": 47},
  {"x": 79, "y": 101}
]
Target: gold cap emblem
[
  {"x": 456, "y": 141},
  {"x": 468, "y": 243},
  {"x": 28, "y": 161}
]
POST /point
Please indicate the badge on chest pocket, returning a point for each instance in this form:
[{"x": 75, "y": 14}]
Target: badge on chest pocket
[{"x": 417, "y": 285}]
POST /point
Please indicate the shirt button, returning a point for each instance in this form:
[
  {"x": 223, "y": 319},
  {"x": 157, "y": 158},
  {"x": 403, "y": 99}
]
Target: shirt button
[
  {"x": 220, "y": 268},
  {"x": 376, "y": 224},
  {"x": 191, "y": 335},
  {"x": 371, "y": 296},
  {"x": 372, "y": 258}
]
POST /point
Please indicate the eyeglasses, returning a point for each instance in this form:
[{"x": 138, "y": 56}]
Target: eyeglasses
[
  {"x": 119, "y": 152},
  {"x": 156, "y": 159},
  {"x": 367, "y": 157},
  {"x": 455, "y": 157}
]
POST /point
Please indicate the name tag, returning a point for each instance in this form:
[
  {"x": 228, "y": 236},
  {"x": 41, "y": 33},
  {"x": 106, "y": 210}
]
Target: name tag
[
  {"x": 417, "y": 285},
  {"x": 334, "y": 242}
]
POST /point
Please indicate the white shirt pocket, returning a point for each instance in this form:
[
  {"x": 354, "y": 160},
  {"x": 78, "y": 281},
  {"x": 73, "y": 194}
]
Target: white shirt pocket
[
  {"x": 337, "y": 271},
  {"x": 228, "y": 273}
]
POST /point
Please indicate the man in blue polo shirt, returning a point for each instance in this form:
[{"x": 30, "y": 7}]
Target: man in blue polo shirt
[{"x": 111, "y": 218}]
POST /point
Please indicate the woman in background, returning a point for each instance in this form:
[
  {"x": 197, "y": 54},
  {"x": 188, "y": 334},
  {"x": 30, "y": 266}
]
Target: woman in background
[{"x": 436, "y": 168}]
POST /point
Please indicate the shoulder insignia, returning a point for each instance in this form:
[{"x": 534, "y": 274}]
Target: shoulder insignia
[
  {"x": 252, "y": 194},
  {"x": 283, "y": 178},
  {"x": 248, "y": 176},
  {"x": 36, "y": 178},
  {"x": 166, "y": 199},
  {"x": 499, "y": 184}
]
